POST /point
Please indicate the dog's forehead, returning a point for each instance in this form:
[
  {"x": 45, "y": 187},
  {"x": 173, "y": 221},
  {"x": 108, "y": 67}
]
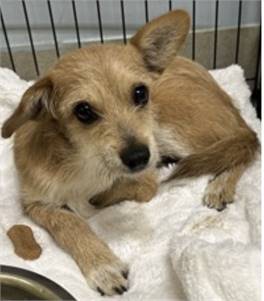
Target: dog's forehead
[
  {"x": 97, "y": 73},
  {"x": 100, "y": 61}
]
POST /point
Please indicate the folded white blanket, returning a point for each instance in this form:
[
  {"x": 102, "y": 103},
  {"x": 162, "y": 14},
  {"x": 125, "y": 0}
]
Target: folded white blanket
[{"x": 176, "y": 248}]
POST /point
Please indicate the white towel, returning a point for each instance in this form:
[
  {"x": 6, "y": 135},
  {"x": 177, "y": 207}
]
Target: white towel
[{"x": 176, "y": 248}]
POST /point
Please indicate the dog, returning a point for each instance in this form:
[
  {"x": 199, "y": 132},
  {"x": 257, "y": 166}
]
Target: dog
[{"x": 97, "y": 124}]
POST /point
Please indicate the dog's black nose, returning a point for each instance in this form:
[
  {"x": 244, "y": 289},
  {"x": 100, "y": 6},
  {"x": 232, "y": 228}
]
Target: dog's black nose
[{"x": 135, "y": 157}]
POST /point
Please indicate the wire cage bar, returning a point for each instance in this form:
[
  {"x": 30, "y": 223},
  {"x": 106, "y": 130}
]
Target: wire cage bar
[
  {"x": 100, "y": 25},
  {"x": 76, "y": 23},
  {"x": 7, "y": 43},
  {"x": 146, "y": 11},
  {"x": 170, "y": 5},
  {"x": 216, "y": 32},
  {"x": 238, "y": 30},
  {"x": 193, "y": 28},
  {"x": 123, "y": 21},
  {"x": 30, "y": 37},
  {"x": 53, "y": 29}
]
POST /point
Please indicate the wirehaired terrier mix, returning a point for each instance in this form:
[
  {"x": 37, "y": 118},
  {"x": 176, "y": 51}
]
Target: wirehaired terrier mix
[{"x": 99, "y": 122}]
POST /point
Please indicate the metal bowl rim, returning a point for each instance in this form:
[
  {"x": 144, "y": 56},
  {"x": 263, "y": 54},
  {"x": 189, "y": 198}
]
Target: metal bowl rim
[{"x": 34, "y": 278}]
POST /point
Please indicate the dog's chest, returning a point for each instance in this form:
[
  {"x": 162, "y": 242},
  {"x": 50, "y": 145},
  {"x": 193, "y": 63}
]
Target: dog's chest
[{"x": 83, "y": 188}]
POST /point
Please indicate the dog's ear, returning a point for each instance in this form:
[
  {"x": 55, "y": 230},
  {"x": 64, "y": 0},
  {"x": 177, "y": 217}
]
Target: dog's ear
[
  {"x": 33, "y": 102},
  {"x": 160, "y": 40}
]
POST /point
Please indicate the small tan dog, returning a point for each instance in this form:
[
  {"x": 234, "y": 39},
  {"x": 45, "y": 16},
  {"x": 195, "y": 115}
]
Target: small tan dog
[{"x": 98, "y": 123}]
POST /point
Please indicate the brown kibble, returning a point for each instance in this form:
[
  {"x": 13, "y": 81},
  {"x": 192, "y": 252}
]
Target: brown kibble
[{"x": 24, "y": 242}]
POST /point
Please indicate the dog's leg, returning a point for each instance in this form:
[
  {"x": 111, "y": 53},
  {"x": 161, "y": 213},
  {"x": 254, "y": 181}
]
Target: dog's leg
[
  {"x": 221, "y": 190},
  {"x": 141, "y": 189},
  {"x": 102, "y": 269}
]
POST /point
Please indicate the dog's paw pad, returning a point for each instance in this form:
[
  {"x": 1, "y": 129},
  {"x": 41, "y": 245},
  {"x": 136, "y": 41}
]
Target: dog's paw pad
[{"x": 109, "y": 279}]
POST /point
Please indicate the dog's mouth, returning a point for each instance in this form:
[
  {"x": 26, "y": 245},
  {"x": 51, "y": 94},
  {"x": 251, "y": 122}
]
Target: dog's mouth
[
  {"x": 135, "y": 171},
  {"x": 138, "y": 168}
]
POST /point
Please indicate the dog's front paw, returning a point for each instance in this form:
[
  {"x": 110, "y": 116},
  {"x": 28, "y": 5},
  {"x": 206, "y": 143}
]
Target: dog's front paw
[
  {"x": 214, "y": 201},
  {"x": 217, "y": 200},
  {"x": 218, "y": 193},
  {"x": 109, "y": 278}
]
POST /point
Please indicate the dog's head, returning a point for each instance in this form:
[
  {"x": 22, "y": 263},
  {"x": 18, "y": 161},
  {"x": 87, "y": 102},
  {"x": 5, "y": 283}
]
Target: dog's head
[{"x": 100, "y": 97}]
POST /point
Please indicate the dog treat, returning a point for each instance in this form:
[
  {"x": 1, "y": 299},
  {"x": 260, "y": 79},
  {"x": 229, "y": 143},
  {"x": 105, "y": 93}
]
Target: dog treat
[{"x": 24, "y": 242}]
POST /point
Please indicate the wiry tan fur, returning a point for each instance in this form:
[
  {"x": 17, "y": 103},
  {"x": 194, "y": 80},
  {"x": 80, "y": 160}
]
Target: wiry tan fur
[{"x": 63, "y": 162}]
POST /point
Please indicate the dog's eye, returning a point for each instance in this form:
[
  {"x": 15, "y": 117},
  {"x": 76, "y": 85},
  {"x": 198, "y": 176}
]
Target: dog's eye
[
  {"x": 84, "y": 113},
  {"x": 140, "y": 95}
]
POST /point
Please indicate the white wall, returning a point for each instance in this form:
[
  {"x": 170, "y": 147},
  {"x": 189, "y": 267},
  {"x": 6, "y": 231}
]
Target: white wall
[{"x": 111, "y": 18}]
